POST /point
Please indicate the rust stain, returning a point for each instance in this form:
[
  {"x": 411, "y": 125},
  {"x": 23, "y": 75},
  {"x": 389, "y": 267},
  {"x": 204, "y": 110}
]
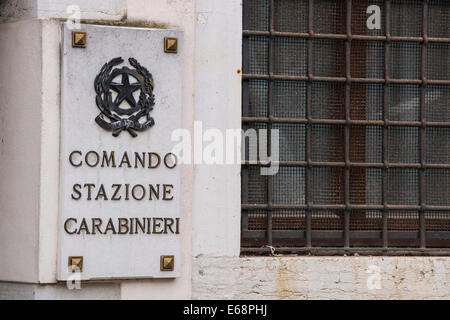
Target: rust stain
[{"x": 283, "y": 282}]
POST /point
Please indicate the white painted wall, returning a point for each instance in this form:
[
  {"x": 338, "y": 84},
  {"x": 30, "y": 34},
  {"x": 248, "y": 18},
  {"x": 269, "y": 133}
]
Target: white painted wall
[
  {"x": 89, "y": 9},
  {"x": 29, "y": 109},
  {"x": 321, "y": 278},
  {"x": 13, "y": 10},
  {"x": 49, "y": 175},
  {"x": 91, "y": 291},
  {"x": 218, "y": 59},
  {"x": 20, "y": 153}
]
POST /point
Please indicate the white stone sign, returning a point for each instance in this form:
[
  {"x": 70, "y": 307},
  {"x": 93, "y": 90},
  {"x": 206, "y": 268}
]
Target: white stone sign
[{"x": 120, "y": 184}]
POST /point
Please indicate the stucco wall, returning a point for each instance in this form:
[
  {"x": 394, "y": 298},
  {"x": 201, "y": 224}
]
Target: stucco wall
[
  {"x": 13, "y": 10},
  {"x": 92, "y": 291},
  {"x": 20, "y": 131},
  {"x": 321, "y": 278},
  {"x": 29, "y": 113}
]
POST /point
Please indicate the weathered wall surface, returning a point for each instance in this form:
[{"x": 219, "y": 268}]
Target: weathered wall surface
[
  {"x": 217, "y": 194},
  {"x": 29, "y": 131},
  {"x": 14, "y": 10},
  {"x": 97, "y": 291},
  {"x": 20, "y": 131},
  {"x": 321, "y": 278}
]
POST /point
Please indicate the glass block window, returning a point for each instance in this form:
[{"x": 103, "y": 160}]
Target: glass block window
[{"x": 363, "y": 119}]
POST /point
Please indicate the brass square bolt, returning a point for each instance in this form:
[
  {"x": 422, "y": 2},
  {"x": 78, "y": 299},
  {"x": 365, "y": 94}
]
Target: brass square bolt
[
  {"x": 167, "y": 263},
  {"x": 79, "y": 39},
  {"x": 75, "y": 264},
  {"x": 170, "y": 45}
]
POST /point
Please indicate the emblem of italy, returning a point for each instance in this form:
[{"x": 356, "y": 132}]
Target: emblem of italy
[{"x": 115, "y": 88}]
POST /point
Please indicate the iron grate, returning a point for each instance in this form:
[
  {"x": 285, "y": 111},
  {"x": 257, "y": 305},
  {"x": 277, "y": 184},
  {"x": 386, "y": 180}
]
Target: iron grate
[{"x": 363, "y": 120}]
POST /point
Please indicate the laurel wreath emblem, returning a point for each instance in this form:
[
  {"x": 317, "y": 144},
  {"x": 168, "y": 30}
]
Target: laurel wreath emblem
[{"x": 111, "y": 121}]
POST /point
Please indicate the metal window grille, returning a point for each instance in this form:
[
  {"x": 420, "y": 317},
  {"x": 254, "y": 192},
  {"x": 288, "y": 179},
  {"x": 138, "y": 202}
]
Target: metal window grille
[{"x": 364, "y": 123}]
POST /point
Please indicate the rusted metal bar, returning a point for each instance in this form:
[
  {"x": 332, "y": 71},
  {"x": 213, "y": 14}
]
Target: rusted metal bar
[
  {"x": 330, "y": 164},
  {"x": 422, "y": 128},
  {"x": 269, "y": 129},
  {"x": 247, "y": 76},
  {"x": 308, "y": 198},
  {"x": 350, "y": 122},
  {"x": 341, "y": 251},
  {"x": 245, "y": 102},
  {"x": 257, "y": 76},
  {"x": 332, "y": 36},
  {"x": 255, "y": 206},
  {"x": 348, "y": 49}
]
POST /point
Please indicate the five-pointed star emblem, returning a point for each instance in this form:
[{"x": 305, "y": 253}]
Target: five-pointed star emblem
[{"x": 125, "y": 90}]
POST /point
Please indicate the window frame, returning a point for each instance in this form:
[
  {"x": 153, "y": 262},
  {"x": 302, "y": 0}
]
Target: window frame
[{"x": 303, "y": 239}]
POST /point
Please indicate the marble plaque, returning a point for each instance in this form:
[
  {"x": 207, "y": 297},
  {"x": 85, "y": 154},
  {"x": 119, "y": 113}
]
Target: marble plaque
[{"x": 120, "y": 183}]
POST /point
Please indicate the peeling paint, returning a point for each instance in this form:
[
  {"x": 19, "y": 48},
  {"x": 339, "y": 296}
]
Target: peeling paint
[{"x": 319, "y": 278}]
